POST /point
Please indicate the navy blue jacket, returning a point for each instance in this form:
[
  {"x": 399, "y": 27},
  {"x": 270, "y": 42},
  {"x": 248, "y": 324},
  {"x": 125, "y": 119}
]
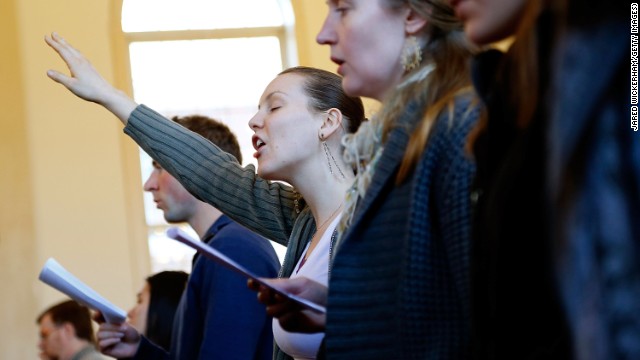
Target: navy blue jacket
[{"x": 218, "y": 316}]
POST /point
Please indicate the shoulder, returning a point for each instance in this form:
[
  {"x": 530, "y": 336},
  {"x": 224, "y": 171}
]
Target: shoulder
[
  {"x": 234, "y": 235},
  {"x": 89, "y": 353},
  {"x": 243, "y": 245},
  {"x": 462, "y": 114},
  {"x": 449, "y": 133},
  {"x": 446, "y": 159}
]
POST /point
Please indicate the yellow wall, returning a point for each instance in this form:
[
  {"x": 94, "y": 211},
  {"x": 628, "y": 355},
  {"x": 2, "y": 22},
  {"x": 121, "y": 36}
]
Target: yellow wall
[
  {"x": 70, "y": 183},
  {"x": 65, "y": 184},
  {"x": 309, "y": 18},
  {"x": 17, "y": 242}
]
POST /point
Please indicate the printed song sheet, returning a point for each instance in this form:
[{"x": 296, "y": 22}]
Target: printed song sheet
[
  {"x": 223, "y": 260},
  {"x": 56, "y": 276}
]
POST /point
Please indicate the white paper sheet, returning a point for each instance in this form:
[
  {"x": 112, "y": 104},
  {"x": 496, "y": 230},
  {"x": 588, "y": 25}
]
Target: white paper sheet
[
  {"x": 56, "y": 276},
  {"x": 220, "y": 258}
]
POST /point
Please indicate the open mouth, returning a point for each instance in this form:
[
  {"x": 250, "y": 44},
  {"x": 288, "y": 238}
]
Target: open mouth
[
  {"x": 257, "y": 142},
  {"x": 337, "y": 61}
]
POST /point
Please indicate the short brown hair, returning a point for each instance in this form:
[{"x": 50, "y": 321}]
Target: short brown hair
[
  {"x": 73, "y": 313},
  {"x": 212, "y": 130}
]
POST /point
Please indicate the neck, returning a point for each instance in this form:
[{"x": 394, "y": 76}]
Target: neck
[
  {"x": 322, "y": 190},
  {"x": 74, "y": 346},
  {"x": 324, "y": 193},
  {"x": 204, "y": 216}
]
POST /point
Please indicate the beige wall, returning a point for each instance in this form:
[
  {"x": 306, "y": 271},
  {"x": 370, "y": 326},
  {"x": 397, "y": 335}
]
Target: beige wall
[
  {"x": 17, "y": 242},
  {"x": 70, "y": 183},
  {"x": 309, "y": 18},
  {"x": 65, "y": 180}
]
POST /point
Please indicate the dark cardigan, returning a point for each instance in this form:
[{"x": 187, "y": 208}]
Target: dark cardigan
[{"x": 399, "y": 286}]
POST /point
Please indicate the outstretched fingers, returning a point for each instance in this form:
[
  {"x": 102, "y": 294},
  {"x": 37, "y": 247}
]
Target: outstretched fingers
[
  {"x": 86, "y": 82},
  {"x": 67, "y": 53}
]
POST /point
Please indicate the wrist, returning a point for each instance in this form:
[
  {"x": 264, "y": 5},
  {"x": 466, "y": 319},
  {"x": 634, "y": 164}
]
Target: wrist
[{"x": 120, "y": 104}]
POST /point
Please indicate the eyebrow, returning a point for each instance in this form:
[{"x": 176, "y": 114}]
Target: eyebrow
[{"x": 272, "y": 94}]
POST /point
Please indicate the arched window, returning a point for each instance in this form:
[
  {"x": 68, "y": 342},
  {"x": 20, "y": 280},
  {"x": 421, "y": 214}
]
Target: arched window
[{"x": 209, "y": 57}]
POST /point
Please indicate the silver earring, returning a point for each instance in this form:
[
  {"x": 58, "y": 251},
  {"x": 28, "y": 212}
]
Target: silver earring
[
  {"x": 411, "y": 54},
  {"x": 330, "y": 157}
]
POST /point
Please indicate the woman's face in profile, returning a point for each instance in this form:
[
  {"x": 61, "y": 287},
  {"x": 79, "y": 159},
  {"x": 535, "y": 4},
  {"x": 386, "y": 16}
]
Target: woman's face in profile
[
  {"x": 366, "y": 39},
  {"x": 138, "y": 314},
  {"x": 487, "y": 21},
  {"x": 285, "y": 130}
]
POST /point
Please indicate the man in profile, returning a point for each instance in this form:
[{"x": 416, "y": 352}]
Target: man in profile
[
  {"x": 218, "y": 316},
  {"x": 66, "y": 333}
]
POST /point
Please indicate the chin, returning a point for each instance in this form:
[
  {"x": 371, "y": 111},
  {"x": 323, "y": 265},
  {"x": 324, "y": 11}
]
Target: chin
[
  {"x": 480, "y": 34},
  {"x": 351, "y": 88},
  {"x": 265, "y": 174}
]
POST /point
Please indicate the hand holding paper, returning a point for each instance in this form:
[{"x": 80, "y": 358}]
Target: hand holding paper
[
  {"x": 293, "y": 318},
  {"x": 223, "y": 260},
  {"x": 56, "y": 276}
]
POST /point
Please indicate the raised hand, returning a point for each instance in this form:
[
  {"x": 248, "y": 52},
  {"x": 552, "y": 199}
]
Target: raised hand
[
  {"x": 291, "y": 316},
  {"x": 85, "y": 82},
  {"x": 119, "y": 341}
]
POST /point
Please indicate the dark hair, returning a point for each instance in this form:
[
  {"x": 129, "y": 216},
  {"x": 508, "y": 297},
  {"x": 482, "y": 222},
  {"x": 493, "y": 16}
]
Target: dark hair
[
  {"x": 73, "y": 313},
  {"x": 165, "y": 291},
  {"x": 212, "y": 130},
  {"x": 325, "y": 90},
  {"x": 519, "y": 74}
]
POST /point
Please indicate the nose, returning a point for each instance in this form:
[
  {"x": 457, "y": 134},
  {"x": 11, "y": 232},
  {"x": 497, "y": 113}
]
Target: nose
[
  {"x": 152, "y": 182},
  {"x": 326, "y": 36},
  {"x": 256, "y": 121},
  {"x": 130, "y": 313}
]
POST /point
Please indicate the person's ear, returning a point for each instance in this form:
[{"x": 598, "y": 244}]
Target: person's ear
[
  {"x": 413, "y": 22},
  {"x": 68, "y": 330},
  {"x": 331, "y": 124}
]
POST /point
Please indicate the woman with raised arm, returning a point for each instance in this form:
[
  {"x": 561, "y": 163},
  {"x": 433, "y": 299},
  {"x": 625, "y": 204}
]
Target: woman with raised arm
[{"x": 301, "y": 118}]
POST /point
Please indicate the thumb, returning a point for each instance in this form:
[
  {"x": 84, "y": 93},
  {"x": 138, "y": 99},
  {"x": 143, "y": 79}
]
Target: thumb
[{"x": 59, "y": 77}]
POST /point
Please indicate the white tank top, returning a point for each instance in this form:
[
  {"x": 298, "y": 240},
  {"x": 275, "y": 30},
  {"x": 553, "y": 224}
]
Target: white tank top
[{"x": 316, "y": 267}]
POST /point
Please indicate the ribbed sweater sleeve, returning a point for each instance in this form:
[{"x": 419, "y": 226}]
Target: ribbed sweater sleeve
[{"x": 215, "y": 176}]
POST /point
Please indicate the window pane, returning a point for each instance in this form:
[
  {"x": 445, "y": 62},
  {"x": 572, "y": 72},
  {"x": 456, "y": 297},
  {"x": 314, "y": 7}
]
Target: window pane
[
  {"x": 211, "y": 73},
  {"x": 168, "y": 254},
  {"x": 218, "y": 78},
  {"x": 159, "y": 15}
]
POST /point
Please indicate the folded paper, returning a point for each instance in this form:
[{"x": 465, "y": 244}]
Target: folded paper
[
  {"x": 220, "y": 258},
  {"x": 56, "y": 276}
]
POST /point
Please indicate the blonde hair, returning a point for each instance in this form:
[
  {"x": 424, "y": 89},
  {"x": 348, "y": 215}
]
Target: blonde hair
[
  {"x": 431, "y": 87},
  {"x": 449, "y": 52}
]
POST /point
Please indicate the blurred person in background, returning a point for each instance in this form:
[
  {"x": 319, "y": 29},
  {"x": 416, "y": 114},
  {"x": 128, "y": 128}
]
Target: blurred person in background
[{"x": 66, "y": 333}]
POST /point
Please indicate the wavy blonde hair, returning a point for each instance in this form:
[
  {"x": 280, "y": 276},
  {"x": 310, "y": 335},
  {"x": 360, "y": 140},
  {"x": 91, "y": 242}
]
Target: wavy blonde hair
[
  {"x": 446, "y": 48},
  {"x": 432, "y": 87}
]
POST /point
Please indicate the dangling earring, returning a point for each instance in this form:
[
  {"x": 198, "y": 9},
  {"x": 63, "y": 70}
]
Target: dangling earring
[
  {"x": 296, "y": 201},
  {"x": 330, "y": 157},
  {"x": 411, "y": 54}
]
